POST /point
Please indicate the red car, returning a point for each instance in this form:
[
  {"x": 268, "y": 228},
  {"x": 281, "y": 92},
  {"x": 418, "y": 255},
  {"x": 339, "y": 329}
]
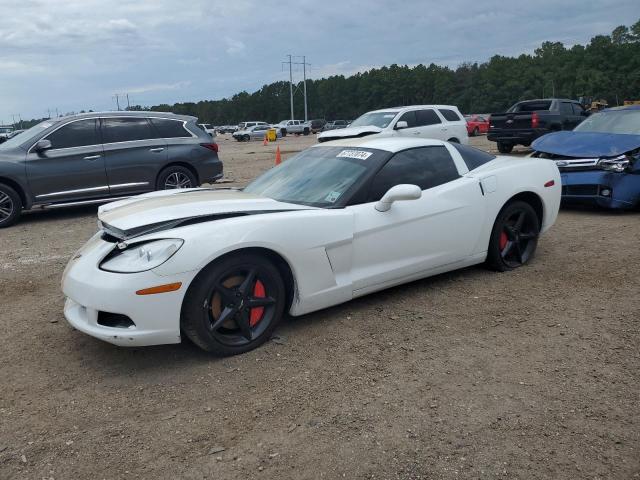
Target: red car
[{"x": 477, "y": 124}]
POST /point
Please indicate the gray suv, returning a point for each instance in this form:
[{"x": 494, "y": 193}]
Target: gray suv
[{"x": 98, "y": 157}]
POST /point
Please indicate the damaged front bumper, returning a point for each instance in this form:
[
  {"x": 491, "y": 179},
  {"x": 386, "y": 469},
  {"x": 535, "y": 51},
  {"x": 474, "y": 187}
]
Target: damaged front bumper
[{"x": 615, "y": 190}]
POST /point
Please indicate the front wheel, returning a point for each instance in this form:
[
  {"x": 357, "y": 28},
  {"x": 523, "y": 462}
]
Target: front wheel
[
  {"x": 283, "y": 132},
  {"x": 514, "y": 237},
  {"x": 176, "y": 177},
  {"x": 475, "y": 132},
  {"x": 234, "y": 305},
  {"x": 10, "y": 206},
  {"x": 505, "y": 147}
]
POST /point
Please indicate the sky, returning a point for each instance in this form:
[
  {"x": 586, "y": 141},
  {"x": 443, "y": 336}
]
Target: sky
[{"x": 69, "y": 55}]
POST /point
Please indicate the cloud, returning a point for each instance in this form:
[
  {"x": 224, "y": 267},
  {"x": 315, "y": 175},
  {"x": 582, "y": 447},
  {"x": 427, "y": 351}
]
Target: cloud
[{"x": 74, "y": 54}]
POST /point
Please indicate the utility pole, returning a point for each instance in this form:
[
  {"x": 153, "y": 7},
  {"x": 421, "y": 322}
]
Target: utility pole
[
  {"x": 304, "y": 76},
  {"x": 117, "y": 97},
  {"x": 128, "y": 105},
  {"x": 290, "y": 84}
]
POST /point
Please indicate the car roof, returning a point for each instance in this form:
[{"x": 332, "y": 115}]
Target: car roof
[
  {"x": 622, "y": 107},
  {"x": 390, "y": 144},
  {"x": 411, "y": 107},
  {"x": 125, "y": 113}
]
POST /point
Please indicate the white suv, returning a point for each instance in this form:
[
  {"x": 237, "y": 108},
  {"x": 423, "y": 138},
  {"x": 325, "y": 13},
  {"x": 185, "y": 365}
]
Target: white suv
[
  {"x": 442, "y": 122},
  {"x": 245, "y": 125}
]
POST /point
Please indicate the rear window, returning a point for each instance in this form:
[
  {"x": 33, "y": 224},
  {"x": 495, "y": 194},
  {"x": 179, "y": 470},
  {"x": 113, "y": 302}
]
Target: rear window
[
  {"x": 170, "y": 128},
  {"x": 472, "y": 157},
  {"x": 530, "y": 106},
  {"x": 449, "y": 115}
]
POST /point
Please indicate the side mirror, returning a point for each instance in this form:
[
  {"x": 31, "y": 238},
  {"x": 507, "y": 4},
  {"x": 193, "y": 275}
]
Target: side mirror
[
  {"x": 42, "y": 145},
  {"x": 401, "y": 124},
  {"x": 584, "y": 113},
  {"x": 399, "y": 192}
]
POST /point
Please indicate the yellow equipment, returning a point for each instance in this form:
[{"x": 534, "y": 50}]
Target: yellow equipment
[
  {"x": 272, "y": 136},
  {"x": 631, "y": 102}
]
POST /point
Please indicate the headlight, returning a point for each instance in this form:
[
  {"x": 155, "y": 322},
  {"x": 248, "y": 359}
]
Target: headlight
[
  {"x": 141, "y": 257},
  {"x": 618, "y": 164}
]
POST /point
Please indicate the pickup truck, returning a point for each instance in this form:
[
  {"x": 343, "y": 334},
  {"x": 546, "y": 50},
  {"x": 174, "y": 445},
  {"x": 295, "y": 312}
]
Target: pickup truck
[
  {"x": 293, "y": 126},
  {"x": 525, "y": 121}
]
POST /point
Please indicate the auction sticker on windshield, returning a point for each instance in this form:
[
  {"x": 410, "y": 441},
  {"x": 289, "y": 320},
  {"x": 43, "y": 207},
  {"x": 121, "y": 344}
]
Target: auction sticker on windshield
[{"x": 357, "y": 154}]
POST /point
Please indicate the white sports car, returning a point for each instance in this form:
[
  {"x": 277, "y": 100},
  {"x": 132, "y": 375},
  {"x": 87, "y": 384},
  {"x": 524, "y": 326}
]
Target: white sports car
[{"x": 337, "y": 221}]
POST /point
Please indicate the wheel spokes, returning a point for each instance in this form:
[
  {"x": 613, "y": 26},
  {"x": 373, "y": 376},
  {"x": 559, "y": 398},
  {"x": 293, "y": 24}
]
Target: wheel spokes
[
  {"x": 256, "y": 302},
  {"x": 226, "y": 314},
  {"x": 243, "y": 322}
]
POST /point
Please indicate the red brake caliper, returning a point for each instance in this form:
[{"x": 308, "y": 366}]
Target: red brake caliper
[
  {"x": 256, "y": 313},
  {"x": 503, "y": 240}
]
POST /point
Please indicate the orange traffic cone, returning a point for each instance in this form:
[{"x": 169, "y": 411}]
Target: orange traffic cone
[
  {"x": 278, "y": 156},
  {"x": 264, "y": 143}
]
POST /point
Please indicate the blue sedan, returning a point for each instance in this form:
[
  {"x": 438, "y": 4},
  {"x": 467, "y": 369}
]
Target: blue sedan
[{"x": 599, "y": 161}]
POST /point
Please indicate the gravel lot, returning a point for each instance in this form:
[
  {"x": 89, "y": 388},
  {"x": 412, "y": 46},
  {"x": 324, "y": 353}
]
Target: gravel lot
[{"x": 472, "y": 374}]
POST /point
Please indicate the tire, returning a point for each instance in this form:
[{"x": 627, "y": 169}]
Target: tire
[
  {"x": 283, "y": 132},
  {"x": 243, "y": 328},
  {"x": 514, "y": 237},
  {"x": 246, "y": 138},
  {"x": 176, "y": 176},
  {"x": 10, "y": 206},
  {"x": 453, "y": 140},
  {"x": 306, "y": 131},
  {"x": 475, "y": 132},
  {"x": 505, "y": 147}
]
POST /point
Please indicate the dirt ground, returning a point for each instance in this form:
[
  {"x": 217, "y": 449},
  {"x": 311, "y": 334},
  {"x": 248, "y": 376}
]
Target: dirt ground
[{"x": 472, "y": 374}]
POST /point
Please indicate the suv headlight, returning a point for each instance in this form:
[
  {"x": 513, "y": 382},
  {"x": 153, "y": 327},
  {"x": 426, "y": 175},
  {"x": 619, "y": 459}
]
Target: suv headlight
[
  {"x": 141, "y": 257},
  {"x": 618, "y": 164}
]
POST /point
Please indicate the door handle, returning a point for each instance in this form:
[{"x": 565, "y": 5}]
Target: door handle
[
  {"x": 92, "y": 157},
  {"x": 416, "y": 133},
  {"x": 156, "y": 150}
]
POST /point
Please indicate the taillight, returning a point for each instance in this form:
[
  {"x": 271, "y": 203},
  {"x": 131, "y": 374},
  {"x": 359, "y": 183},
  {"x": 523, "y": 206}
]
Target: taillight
[
  {"x": 210, "y": 146},
  {"x": 489, "y": 120},
  {"x": 535, "y": 121}
]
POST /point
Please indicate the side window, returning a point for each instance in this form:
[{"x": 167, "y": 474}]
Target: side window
[
  {"x": 565, "y": 108},
  {"x": 127, "y": 129},
  {"x": 170, "y": 128},
  {"x": 427, "y": 117},
  {"x": 577, "y": 109},
  {"x": 426, "y": 167},
  {"x": 410, "y": 118},
  {"x": 75, "y": 134},
  {"x": 449, "y": 115},
  {"x": 472, "y": 157}
]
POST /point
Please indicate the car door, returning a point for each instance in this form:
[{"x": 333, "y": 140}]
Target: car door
[
  {"x": 416, "y": 236},
  {"x": 134, "y": 154},
  {"x": 429, "y": 124},
  {"x": 569, "y": 119},
  {"x": 579, "y": 113},
  {"x": 73, "y": 168}
]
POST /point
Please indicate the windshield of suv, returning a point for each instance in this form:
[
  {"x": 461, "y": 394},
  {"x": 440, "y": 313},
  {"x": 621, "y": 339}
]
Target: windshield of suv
[
  {"x": 612, "y": 121},
  {"x": 377, "y": 119},
  {"x": 318, "y": 176},
  {"x": 25, "y": 136}
]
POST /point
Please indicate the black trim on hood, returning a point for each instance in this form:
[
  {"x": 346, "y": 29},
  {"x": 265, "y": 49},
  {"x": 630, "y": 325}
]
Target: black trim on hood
[{"x": 114, "y": 235}]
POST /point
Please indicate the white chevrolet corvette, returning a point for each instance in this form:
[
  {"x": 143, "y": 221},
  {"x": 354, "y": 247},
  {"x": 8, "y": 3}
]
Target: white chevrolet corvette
[{"x": 337, "y": 221}]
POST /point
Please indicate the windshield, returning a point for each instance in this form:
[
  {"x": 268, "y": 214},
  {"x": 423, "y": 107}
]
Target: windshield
[
  {"x": 318, "y": 176},
  {"x": 612, "y": 121},
  {"x": 26, "y": 135},
  {"x": 377, "y": 119}
]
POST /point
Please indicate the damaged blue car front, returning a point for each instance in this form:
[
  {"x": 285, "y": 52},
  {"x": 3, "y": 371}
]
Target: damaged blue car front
[{"x": 599, "y": 161}]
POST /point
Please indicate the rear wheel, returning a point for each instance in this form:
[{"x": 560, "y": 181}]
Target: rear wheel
[
  {"x": 234, "y": 305},
  {"x": 505, "y": 147},
  {"x": 476, "y": 132},
  {"x": 453, "y": 140},
  {"x": 283, "y": 132},
  {"x": 176, "y": 177},
  {"x": 10, "y": 206},
  {"x": 514, "y": 237},
  {"x": 306, "y": 131}
]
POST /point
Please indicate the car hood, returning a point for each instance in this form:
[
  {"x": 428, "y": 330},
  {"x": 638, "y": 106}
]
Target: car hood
[
  {"x": 586, "y": 144},
  {"x": 157, "y": 211},
  {"x": 351, "y": 132}
]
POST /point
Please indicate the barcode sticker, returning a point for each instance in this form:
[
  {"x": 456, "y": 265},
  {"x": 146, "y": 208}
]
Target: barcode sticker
[{"x": 357, "y": 154}]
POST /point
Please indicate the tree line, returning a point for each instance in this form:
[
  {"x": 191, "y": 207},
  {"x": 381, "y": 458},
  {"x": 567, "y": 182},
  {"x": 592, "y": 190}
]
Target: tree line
[{"x": 608, "y": 67}]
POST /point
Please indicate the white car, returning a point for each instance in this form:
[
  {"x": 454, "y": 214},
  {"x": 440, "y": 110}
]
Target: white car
[
  {"x": 256, "y": 132},
  {"x": 442, "y": 122},
  {"x": 293, "y": 126},
  {"x": 335, "y": 222},
  {"x": 210, "y": 129}
]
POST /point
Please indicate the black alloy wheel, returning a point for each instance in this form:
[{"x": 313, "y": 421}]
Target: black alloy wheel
[
  {"x": 234, "y": 305},
  {"x": 514, "y": 237}
]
